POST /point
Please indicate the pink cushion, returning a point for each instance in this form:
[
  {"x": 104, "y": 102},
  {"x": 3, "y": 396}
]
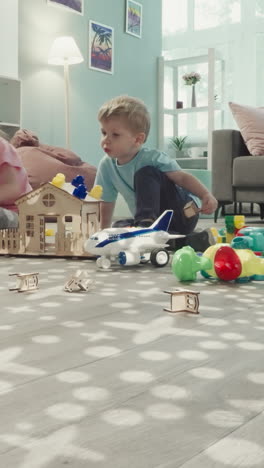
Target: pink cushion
[
  {"x": 41, "y": 167},
  {"x": 24, "y": 137},
  {"x": 250, "y": 121},
  {"x": 43, "y": 162}
]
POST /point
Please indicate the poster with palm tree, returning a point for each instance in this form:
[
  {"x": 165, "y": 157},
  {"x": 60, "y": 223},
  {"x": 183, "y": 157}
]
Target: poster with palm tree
[
  {"x": 134, "y": 11},
  {"x": 101, "y": 47}
]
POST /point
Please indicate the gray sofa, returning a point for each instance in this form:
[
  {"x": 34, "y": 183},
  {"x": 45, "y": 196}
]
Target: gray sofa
[{"x": 236, "y": 175}]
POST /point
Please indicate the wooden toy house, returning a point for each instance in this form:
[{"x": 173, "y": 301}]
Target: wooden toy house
[{"x": 51, "y": 222}]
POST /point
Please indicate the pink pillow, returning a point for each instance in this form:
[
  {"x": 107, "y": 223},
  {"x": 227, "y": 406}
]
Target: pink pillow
[
  {"x": 250, "y": 121},
  {"x": 41, "y": 167},
  {"x": 24, "y": 138}
]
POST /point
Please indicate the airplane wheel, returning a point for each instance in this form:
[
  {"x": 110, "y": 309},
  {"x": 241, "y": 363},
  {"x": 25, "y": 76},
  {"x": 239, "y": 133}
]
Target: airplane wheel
[
  {"x": 104, "y": 263},
  {"x": 159, "y": 257}
]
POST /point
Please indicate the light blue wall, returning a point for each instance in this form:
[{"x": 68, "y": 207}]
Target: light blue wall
[{"x": 135, "y": 70}]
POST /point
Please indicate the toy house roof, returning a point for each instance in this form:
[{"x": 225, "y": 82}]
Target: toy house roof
[{"x": 53, "y": 189}]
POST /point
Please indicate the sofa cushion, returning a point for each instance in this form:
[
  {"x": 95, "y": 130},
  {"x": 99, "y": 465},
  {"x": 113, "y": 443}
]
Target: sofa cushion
[
  {"x": 248, "y": 171},
  {"x": 250, "y": 121}
]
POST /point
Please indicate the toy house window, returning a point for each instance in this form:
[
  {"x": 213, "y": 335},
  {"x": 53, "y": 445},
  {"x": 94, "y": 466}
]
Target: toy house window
[
  {"x": 48, "y": 200},
  {"x": 30, "y": 226},
  {"x": 91, "y": 223},
  {"x": 68, "y": 224}
]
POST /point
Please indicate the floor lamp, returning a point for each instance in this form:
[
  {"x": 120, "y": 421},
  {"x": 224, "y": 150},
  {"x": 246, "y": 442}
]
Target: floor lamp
[{"x": 64, "y": 51}]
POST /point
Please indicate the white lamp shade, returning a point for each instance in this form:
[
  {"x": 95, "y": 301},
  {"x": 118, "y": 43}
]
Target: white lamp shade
[{"x": 64, "y": 50}]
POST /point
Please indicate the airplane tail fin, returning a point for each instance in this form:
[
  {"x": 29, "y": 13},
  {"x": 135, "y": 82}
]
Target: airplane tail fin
[{"x": 163, "y": 222}]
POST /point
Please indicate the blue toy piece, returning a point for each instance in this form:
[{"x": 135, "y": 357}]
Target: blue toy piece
[
  {"x": 78, "y": 180},
  {"x": 249, "y": 238},
  {"x": 80, "y": 191}
]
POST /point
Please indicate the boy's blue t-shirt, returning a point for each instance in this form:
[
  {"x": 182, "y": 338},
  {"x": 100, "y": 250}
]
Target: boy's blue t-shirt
[{"x": 115, "y": 178}]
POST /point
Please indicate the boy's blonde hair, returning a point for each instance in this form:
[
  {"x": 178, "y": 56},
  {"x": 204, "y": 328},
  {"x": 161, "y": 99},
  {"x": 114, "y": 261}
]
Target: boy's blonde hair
[{"x": 133, "y": 110}]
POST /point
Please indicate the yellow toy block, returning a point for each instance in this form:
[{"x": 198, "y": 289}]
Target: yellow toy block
[
  {"x": 239, "y": 221},
  {"x": 229, "y": 237},
  {"x": 49, "y": 232},
  {"x": 58, "y": 180},
  {"x": 96, "y": 192}
]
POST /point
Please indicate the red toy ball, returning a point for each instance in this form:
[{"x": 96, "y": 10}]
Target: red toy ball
[{"x": 227, "y": 264}]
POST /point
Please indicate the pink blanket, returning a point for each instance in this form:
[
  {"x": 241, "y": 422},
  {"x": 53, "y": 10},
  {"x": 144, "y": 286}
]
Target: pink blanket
[{"x": 43, "y": 162}]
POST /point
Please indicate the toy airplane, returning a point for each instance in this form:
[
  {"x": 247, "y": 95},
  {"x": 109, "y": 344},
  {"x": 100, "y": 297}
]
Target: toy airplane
[{"x": 130, "y": 245}]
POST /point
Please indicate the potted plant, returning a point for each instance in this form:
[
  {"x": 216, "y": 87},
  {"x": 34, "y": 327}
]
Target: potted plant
[
  {"x": 190, "y": 79},
  {"x": 178, "y": 143}
]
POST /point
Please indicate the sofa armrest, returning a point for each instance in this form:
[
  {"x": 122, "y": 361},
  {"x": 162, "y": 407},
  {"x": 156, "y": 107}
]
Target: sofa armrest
[{"x": 226, "y": 145}]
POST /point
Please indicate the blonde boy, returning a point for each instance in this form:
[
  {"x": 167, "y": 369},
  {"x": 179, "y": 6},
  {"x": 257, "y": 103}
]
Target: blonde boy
[{"x": 149, "y": 180}]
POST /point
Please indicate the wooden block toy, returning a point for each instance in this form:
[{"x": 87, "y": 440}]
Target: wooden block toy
[
  {"x": 78, "y": 282},
  {"x": 25, "y": 282},
  {"x": 183, "y": 300},
  {"x": 191, "y": 209}
]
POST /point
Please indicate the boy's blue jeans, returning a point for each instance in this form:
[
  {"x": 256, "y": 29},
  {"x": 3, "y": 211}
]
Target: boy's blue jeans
[{"x": 155, "y": 193}]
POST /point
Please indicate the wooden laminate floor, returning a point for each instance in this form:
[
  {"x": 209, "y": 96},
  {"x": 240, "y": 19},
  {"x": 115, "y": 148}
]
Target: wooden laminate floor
[{"x": 107, "y": 379}]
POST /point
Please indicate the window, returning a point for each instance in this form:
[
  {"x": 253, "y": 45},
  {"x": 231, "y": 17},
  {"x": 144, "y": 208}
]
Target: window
[
  {"x": 30, "y": 226},
  {"x": 210, "y": 14},
  {"x": 48, "y": 200},
  {"x": 259, "y": 66},
  {"x": 68, "y": 224},
  {"x": 174, "y": 16},
  {"x": 260, "y": 8}
]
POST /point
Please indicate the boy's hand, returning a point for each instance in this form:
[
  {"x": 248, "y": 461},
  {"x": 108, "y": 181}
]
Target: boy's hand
[{"x": 209, "y": 203}]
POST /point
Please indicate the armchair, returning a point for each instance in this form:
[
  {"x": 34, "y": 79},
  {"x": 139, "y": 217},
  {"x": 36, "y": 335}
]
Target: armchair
[{"x": 236, "y": 175}]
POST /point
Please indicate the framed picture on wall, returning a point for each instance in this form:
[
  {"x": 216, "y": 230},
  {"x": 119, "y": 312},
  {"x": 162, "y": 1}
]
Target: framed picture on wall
[
  {"x": 134, "y": 12},
  {"x": 75, "y": 6},
  {"x": 101, "y": 47}
]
